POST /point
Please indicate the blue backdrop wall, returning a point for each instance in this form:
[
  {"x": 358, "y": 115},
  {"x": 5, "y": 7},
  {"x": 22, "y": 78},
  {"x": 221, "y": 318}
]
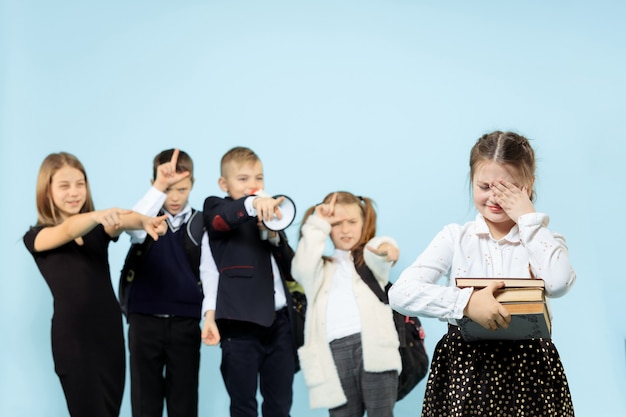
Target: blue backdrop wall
[{"x": 382, "y": 98}]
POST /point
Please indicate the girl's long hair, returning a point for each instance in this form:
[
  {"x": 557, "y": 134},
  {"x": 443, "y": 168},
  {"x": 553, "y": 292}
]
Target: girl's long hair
[
  {"x": 47, "y": 213},
  {"x": 369, "y": 219}
]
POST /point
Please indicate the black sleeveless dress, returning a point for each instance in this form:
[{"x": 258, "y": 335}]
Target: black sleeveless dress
[{"x": 87, "y": 335}]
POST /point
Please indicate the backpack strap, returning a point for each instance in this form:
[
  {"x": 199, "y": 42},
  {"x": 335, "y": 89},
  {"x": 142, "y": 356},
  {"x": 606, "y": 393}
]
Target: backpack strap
[
  {"x": 193, "y": 240},
  {"x": 399, "y": 319},
  {"x": 368, "y": 277},
  {"x": 132, "y": 265}
]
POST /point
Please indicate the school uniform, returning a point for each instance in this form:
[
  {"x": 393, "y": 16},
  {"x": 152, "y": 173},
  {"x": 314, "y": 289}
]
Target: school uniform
[
  {"x": 251, "y": 308},
  {"x": 504, "y": 378},
  {"x": 87, "y": 336},
  {"x": 163, "y": 305}
]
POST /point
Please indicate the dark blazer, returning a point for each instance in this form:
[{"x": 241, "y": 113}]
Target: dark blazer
[{"x": 246, "y": 283}]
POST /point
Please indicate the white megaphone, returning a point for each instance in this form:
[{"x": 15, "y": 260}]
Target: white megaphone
[{"x": 287, "y": 211}]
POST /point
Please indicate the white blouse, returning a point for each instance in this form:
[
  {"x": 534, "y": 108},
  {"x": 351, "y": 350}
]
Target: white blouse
[
  {"x": 342, "y": 312},
  {"x": 470, "y": 251}
]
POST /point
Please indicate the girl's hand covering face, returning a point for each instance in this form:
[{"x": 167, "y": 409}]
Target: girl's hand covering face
[{"x": 514, "y": 201}]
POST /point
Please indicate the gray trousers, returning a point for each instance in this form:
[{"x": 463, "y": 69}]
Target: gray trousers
[{"x": 374, "y": 392}]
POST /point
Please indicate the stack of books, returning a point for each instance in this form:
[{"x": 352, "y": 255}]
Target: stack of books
[{"x": 523, "y": 298}]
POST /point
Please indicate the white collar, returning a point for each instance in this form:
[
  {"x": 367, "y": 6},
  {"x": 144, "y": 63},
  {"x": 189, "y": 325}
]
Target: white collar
[
  {"x": 175, "y": 221},
  {"x": 481, "y": 228}
]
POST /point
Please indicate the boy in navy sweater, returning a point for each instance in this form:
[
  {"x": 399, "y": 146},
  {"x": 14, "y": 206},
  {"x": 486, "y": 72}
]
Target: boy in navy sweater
[
  {"x": 161, "y": 294},
  {"x": 249, "y": 309}
]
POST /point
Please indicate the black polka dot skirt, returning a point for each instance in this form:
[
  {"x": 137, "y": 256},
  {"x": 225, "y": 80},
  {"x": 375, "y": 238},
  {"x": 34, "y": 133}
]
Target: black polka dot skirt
[{"x": 496, "y": 378}]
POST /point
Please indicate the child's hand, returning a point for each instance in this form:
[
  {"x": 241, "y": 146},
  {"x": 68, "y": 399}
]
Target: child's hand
[
  {"x": 110, "y": 217},
  {"x": 155, "y": 226},
  {"x": 210, "y": 333},
  {"x": 514, "y": 201},
  {"x": 485, "y": 310},
  {"x": 326, "y": 211},
  {"x": 271, "y": 234},
  {"x": 267, "y": 207},
  {"x": 166, "y": 175},
  {"x": 386, "y": 249}
]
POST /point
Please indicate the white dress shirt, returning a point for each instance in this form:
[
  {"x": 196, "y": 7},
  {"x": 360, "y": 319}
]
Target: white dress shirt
[
  {"x": 469, "y": 250},
  {"x": 342, "y": 312}
]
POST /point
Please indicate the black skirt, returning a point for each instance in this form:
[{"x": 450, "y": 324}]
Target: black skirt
[{"x": 496, "y": 378}]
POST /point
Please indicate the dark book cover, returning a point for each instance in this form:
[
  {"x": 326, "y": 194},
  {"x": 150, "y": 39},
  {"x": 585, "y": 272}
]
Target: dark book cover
[{"x": 528, "y": 321}]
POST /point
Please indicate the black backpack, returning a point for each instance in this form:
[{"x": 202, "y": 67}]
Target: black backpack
[
  {"x": 135, "y": 257},
  {"x": 411, "y": 334}
]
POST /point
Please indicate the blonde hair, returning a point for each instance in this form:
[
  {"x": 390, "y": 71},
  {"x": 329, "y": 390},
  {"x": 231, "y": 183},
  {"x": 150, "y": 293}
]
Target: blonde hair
[
  {"x": 368, "y": 213},
  {"x": 238, "y": 155},
  {"x": 47, "y": 213}
]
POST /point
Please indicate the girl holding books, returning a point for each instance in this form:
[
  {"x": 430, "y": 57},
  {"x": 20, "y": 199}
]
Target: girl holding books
[{"x": 507, "y": 239}]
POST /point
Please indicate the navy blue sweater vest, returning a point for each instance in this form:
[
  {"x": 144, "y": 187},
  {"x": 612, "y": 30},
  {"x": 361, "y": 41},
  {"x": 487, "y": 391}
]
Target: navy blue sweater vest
[{"x": 166, "y": 283}]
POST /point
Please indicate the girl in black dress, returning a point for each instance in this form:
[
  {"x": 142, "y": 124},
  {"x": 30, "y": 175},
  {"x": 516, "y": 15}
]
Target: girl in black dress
[{"x": 70, "y": 246}]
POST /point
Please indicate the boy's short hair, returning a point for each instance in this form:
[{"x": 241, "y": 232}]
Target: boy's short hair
[
  {"x": 239, "y": 155},
  {"x": 183, "y": 164}
]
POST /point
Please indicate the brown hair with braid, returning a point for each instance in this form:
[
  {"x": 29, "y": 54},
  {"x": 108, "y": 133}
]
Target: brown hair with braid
[
  {"x": 507, "y": 149},
  {"x": 368, "y": 213}
]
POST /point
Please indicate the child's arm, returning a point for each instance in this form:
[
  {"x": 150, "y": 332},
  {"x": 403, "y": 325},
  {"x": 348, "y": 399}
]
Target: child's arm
[
  {"x": 380, "y": 254},
  {"x": 154, "y": 226},
  {"x": 417, "y": 292},
  {"x": 149, "y": 205},
  {"x": 483, "y": 308},
  {"x": 267, "y": 207},
  {"x": 221, "y": 215},
  {"x": 209, "y": 275},
  {"x": 76, "y": 226},
  {"x": 224, "y": 214},
  {"x": 547, "y": 252},
  {"x": 307, "y": 264},
  {"x": 385, "y": 248},
  {"x": 210, "y": 332}
]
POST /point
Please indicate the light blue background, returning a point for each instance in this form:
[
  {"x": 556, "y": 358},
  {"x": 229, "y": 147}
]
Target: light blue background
[{"x": 382, "y": 98}]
